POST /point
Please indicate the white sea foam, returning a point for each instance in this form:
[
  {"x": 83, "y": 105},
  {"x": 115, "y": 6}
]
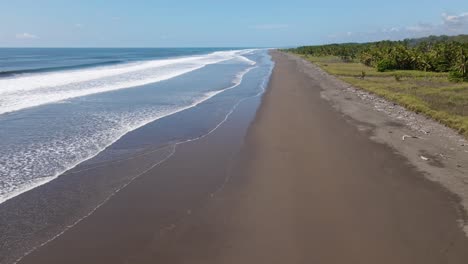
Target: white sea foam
[
  {"x": 24, "y": 91},
  {"x": 173, "y": 148},
  {"x": 236, "y": 82},
  {"x": 19, "y": 169}
]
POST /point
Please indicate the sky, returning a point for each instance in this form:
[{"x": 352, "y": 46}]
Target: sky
[{"x": 229, "y": 23}]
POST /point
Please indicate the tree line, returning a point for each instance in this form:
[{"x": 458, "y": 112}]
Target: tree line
[{"x": 435, "y": 54}]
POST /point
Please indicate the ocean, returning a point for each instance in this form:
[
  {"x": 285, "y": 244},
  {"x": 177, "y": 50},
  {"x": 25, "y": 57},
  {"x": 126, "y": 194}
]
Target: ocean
[{"x": 62, "y": 107}]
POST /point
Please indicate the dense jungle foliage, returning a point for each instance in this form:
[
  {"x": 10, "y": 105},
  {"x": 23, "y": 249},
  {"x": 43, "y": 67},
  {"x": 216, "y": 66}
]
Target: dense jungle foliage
[{"x": 430, "y": 54}]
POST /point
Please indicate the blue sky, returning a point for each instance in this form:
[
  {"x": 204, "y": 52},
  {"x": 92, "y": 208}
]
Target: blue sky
[{"x": 210, "y": 23}]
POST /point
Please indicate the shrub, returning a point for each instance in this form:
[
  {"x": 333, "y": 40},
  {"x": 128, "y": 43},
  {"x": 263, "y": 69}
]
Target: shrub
[
  {"x": 456, "y": 76},
  {"x": 367, "y": 59},
  {"x": 386, "y": 64}
]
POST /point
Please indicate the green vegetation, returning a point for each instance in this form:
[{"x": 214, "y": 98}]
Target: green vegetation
[
  {"x": 429, "y": 93},
  {"x": 431, "y": 54}
]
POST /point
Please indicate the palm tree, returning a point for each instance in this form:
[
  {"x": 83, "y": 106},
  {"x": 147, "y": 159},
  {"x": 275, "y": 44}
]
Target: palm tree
[{"x": 461, "y": 63}]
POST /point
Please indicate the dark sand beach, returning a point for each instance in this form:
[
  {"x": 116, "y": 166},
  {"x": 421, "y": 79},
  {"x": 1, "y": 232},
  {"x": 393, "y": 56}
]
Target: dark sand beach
[{"x": 303, "y": 185}]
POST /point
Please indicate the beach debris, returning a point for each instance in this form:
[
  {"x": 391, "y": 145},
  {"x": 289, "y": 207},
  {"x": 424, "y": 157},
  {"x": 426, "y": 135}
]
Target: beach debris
[
  {"x": 408, "y": 136},
  {"x": 424, "y": 158},
  {"x": 444, "y": 156}
]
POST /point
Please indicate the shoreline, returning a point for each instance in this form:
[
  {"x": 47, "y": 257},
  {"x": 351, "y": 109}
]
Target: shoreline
[
  {"x": 227, "y": 140},
  {"x": 271, "y": 191},
  {"x": 106, "y": 178},
  {"x": 71, "y": 168}
]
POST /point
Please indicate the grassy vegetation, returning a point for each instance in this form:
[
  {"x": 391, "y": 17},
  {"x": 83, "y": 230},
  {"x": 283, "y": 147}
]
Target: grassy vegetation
[
  {"x": 431, "y": 54},
  {"x": 429, "y": 93}
]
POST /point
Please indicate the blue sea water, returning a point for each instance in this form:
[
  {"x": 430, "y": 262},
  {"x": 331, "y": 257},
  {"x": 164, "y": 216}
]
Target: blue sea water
[
  {"x": 60, "y": 107},
  {"x": 30, "y": 60}
]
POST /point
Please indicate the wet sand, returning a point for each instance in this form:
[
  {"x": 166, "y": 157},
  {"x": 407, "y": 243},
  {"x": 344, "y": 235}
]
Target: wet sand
[{"x": 306, "y": 186}]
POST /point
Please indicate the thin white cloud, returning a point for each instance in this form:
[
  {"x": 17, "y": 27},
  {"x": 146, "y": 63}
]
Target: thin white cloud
[
  {"x": 79, "y": 25},
  {"x": 421, "y": 27},
  {"x": 448, "y": 25},
  {"x": 455, "y": 22},
  {"x": 26, "y": 35},
  {"x": 270, "y": 26},
  {"x": 390, "y": 30}
]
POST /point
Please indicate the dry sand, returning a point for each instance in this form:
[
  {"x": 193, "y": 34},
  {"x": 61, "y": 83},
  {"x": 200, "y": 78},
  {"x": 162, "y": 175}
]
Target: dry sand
[{"x": 308, "y": 186}]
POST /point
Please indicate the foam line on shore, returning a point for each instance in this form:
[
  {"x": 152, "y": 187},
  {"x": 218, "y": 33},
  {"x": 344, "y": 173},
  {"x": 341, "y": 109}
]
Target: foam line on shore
[
  {"x": 25, "y": 91},
  {"x": 172, "y": 147},
  {"x": 36, "y": 183}
]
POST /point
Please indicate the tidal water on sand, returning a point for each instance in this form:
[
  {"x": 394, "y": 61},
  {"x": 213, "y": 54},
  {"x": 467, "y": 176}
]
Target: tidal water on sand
[
  {"x": 60, "y": 107},
  {"x": 77, "y": 126}
]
